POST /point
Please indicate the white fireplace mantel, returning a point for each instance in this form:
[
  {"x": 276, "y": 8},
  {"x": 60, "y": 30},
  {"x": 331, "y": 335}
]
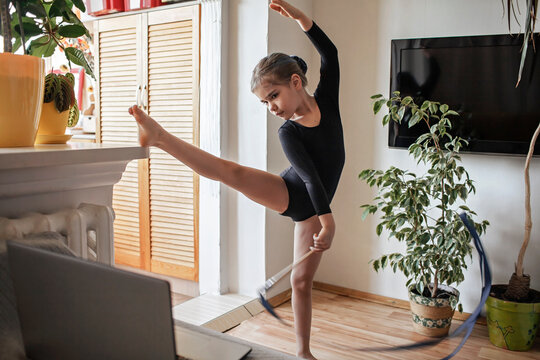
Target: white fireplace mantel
[{"x": 46, "y": 178}]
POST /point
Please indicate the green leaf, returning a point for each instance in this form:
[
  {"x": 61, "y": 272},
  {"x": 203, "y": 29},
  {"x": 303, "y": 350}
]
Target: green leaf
[
  {"x": 36, "y": 9},
  {"x": 401, "y": 113},
  {"x": 444, "y": 108},
  {"x": 365, "y": 213},
  {"x": 77, "y": 57},
  {"x": 80, "y": 5},
  {"x": 58, "y": 8},
  {"x": 30, "y": 29},
  {"x": 420, "y": 287},
  {"x": 414, "y": 119},
  {"x": 70, "y": 17},
  {"x": 42, "y": 47},
  {"x": 384, "y": 261},
  {"x": 71, "y": 78},
  {"x": 379, "y": 229},
  {"x": 377, "y": 96},
  {"x": 65, "y": 98},
  {"x": 425, "y": 105},
  {"x": 73, "y": 115},
  {"x": 71, "y": 31},
  {"x": 377, "y": 105},
  {"x": 52, "y": 87},
  {"x": 407, "y": 100}
]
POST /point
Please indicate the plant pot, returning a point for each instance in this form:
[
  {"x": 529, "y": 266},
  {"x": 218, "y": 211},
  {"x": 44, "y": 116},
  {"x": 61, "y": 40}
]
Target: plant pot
[
  {"x": 21, "y": 96},
  {"x": 52, "y": 125},
  {"x": 512, "y": 325},
  {"x": 433, "y": 316}
]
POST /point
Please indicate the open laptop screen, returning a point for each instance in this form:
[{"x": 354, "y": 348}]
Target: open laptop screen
[{"x": 71, "y": 308}]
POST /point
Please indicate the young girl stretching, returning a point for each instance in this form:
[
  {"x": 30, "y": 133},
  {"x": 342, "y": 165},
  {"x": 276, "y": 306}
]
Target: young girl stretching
[{"x": 312, "y": 139}]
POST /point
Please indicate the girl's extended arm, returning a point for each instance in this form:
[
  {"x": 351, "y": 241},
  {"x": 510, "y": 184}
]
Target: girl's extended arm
[{"x": 287, "y": 10}]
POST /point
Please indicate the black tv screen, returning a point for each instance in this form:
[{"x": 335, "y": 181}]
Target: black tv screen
[{"x": 475, "y": 76}]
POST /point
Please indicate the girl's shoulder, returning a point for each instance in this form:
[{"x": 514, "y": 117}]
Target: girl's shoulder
[{"x": 287, "y": 127}]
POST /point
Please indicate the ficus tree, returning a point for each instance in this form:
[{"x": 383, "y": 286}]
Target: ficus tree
[{"x": 423, "y": 211}]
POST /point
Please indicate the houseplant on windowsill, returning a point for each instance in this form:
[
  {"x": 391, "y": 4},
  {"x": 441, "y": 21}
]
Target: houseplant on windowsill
[
  {"x": 44, "y": 24},
  {"x": 60, "y": 109},
  {"x": 422, "y": 211}
]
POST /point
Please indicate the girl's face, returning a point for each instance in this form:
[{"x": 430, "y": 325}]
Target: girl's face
[{"x": 281, "y": 100}]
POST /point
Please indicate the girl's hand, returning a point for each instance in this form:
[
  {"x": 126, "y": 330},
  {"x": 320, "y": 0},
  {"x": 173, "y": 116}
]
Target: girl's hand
[
  {"x": 150, "y": 132},
  {"x": 286, "y": 9},
  {"x": 323, "y": 240}
]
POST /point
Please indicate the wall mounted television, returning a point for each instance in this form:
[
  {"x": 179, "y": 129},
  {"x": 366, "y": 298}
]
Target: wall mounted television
[{"x": 475, "y": 76}]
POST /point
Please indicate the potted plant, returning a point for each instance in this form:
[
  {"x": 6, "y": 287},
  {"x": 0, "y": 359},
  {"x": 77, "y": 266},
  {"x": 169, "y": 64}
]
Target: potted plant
[
  {"x": 60, "y": 109},
  {"x": 38, "y": 26},
  {"x": 422, "y": 211},
  {"x": 513, "y": 309}
]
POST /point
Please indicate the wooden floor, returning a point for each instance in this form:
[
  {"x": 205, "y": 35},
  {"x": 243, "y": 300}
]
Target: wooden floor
[
  {"x": 177, "y": 298},
  {"x": 342, "y": 325}
]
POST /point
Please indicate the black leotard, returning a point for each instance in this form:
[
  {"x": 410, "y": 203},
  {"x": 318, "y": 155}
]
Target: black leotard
[{"x": 317, "y": 154}]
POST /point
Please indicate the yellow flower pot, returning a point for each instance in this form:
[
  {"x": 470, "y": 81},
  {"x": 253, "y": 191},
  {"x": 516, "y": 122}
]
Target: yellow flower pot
[
  {"x": 52, "y": 122},
  {"x": 21, "y": 95},
  {"x": 52, "y": 125}
]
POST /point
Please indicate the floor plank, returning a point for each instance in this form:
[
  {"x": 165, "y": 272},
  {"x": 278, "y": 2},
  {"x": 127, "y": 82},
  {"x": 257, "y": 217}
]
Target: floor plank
[
  {"x": 177, "y": 298},
  {"x": 342, "y": 325}
]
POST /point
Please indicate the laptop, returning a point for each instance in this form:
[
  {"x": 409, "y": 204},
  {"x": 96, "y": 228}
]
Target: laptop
[{"x": 70, "y": 308}]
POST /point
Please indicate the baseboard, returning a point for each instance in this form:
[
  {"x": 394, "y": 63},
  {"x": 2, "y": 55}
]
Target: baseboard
[
  {"x": 380, "y": 299},
  {"x": 181, "y": 286},
  {"x": 280, "y": 298}
]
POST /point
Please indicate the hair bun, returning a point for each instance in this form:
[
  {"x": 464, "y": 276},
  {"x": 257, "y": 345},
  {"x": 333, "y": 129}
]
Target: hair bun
[{"x": 301, "y": 63}]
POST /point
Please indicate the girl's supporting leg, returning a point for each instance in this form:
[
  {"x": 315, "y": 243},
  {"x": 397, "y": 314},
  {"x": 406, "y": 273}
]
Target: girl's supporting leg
[
  {"x": 260, "y": 186},
  {"x": 302, "y": 283}
]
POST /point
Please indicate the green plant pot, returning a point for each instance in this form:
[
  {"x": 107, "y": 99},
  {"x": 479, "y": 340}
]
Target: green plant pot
[
  {"x": 433, "y": 317},
  {"x": 512, "y": 325}
]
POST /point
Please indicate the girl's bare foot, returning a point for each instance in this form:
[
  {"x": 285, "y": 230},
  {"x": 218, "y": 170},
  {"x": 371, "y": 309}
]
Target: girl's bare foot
[
  {"x": 151, "y": 132},
  {"x": 308, "y": 356}
]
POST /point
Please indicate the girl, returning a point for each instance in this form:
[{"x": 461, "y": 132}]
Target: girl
[{"x": 312, "y": 138}]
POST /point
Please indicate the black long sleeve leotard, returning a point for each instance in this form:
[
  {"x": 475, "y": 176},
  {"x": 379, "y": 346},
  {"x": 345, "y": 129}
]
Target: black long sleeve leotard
[{"x": 316, "y": 154}]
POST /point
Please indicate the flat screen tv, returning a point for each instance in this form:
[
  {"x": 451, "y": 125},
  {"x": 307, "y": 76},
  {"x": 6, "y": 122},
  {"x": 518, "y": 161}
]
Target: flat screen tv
[{"x": 475, "y": 76}]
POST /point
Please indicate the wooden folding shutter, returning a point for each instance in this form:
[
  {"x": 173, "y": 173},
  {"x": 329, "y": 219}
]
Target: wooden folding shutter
[
  {"x": 118, "y": 57},
  {"x": 173, "y": 80}
]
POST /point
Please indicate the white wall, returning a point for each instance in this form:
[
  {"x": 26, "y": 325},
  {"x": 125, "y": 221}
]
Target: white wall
[
  {"x": 362, "y": 30},
  {"x": 246, "y": 143}
]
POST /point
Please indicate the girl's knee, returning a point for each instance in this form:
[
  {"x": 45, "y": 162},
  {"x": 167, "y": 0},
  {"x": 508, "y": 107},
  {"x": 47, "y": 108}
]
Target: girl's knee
[{"x": 301, "y": 282}]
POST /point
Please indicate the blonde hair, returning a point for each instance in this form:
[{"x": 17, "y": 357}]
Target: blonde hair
[{"x": 277, "y": 68}]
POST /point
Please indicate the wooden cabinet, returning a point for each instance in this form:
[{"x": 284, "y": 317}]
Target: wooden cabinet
[{"x": 152, "y": 59}]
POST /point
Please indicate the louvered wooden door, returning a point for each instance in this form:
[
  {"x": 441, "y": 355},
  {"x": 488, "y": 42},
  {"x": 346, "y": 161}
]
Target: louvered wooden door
[
  {"x": 173, "y": 78},
  {"x": 119, "y": 75},
  {"x": 156, "y": 202}
]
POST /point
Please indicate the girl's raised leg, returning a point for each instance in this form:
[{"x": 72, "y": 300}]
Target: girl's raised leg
[{"x": 260, "y": 186}]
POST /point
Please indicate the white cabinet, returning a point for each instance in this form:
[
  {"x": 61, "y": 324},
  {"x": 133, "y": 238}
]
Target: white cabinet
[{"x": 152, "y": 59}]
